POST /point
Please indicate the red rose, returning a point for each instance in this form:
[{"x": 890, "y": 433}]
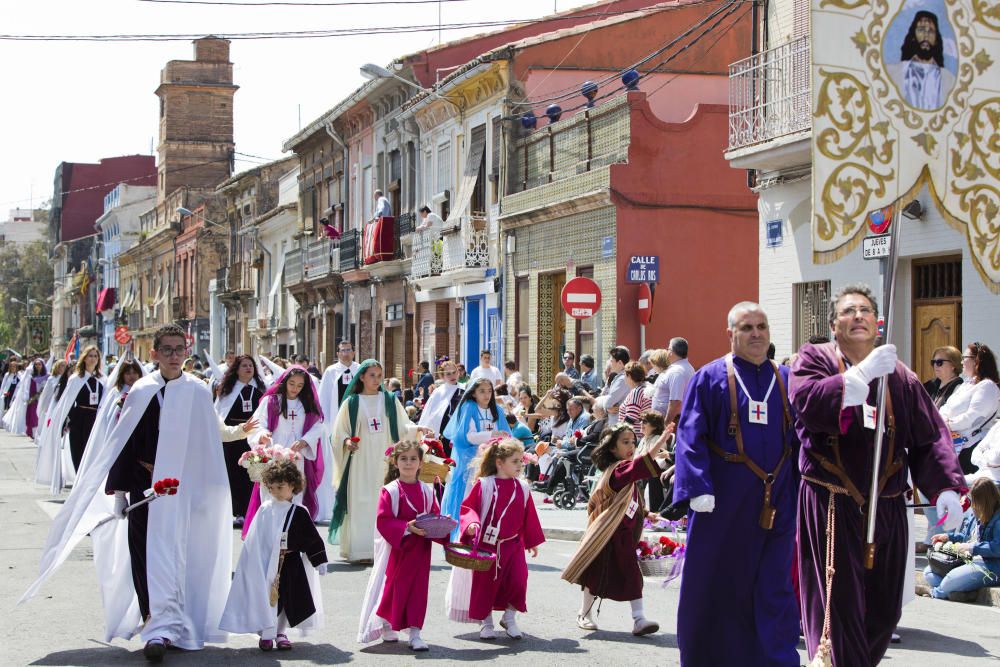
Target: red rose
[{"x": 158, "y": 488}]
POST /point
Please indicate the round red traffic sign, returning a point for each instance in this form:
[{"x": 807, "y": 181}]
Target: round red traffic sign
[
  {"x": 645, "y": 304},
  {"x": 122, "y": 335},
  {"x": 581, "y": 298},
  {"x": 880, "y": 219}
]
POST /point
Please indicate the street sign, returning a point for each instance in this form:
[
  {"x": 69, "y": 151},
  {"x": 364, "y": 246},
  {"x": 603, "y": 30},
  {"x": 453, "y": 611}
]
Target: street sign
[
  {"x": 880, "y": 219},
  {"x": 643, "y": 269},
  {"x": 122, "y": 336},
  {"x": 880, "y": 327},
  {"x": 876, "y": 247},
  {"x": 608, "y": 247},
  {"x": 645, "y": 304},
  {"x": 581, "y": 298}
]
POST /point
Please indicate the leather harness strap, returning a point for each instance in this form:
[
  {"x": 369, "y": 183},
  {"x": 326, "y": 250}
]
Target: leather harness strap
[
  {"x": 836, "y": 468},
  {"x": 768, "y": 510}
]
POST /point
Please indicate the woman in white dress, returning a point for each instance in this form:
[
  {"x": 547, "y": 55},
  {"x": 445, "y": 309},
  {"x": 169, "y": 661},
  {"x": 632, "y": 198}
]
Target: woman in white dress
[{"x": 973, "y": 408}]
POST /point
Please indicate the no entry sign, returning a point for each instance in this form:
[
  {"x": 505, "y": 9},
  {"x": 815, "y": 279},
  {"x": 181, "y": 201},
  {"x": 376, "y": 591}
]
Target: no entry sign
[
  {"x": 645, "y": 304},
  {"x": 581, "y": 297},
  {"x": 122, "y": 335}
]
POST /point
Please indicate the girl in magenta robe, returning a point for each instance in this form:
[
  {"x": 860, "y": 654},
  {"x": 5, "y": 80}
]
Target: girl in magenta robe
[
  {"x": 605, "y": 565},
  {"x": 39, "y": 375},
  {"x": 396, "y": 598},
  {"x": 500, "y": 512}
]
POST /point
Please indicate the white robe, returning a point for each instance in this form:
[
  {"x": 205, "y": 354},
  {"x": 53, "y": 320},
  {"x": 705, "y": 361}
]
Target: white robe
[
  {"x": 223, "y": 404},
  {"x": 15, "y": 419},
  {"x": 249, "y": 609},
  {"x": 357, "y": 535},
  {"x": 44, "y": 401},
  {"x": 329, "y": 398},
  {"x": 287, "y": 432},
  {"x": 189, "y": 553},
  {"x": 437, "y": 406},
  {"x": 54, "y": 467}
]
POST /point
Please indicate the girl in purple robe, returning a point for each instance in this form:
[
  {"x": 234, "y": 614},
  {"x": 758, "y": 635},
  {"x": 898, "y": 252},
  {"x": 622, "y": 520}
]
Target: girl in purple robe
[
  {"x": 39, "y": 375},
  {"x": 290, "y": 416},
  {"x": 605, "y": 565},
  {"x": 500, "y": 513}
]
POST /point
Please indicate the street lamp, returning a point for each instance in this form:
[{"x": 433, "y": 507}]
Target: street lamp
[
  {"x": 36, "y": 302},
  {"x": 190, "y": 214},
  {"x": 374, "y": 72}
]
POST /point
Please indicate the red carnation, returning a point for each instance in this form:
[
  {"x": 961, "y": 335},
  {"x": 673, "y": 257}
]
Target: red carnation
[
  {"x": 172, "y": 491},
  {"x": 158, "y": 488},
  {"x": 449, "y": 462},
  {"x": 664, "y": 540},
  {"x": 577, "y": 433},
  {"x": 355, "y": 439}
]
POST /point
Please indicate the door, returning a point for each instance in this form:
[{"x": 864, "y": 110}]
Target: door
[
  {"x": 473, "y": 329},
  {"x": 937, "y": 310},
  {"x": 934, "y": 325}
]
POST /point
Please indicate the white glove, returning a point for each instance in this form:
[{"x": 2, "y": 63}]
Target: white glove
[
  {"x": 120, "y": 504},
  {"x": 948, "y": 504},
  {"x": 705, "y": 503},
  {"x": 881, "y": 361},
  {"x": 321, "y": 569}
]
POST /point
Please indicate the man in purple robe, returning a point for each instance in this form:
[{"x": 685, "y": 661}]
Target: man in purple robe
[
  {"x": 737, "y": 469},
  {"x": 833, "y": 390}
]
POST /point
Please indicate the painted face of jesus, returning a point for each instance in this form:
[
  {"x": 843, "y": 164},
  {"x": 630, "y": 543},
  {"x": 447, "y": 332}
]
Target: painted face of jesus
[
  {"x": 294, "y": 385},
  {"x": 372, "y": 379},
  {"x": 927, "y": 37}
]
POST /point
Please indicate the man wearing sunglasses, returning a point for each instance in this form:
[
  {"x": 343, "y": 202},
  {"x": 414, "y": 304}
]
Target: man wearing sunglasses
[{"x": 833, "y": 389}]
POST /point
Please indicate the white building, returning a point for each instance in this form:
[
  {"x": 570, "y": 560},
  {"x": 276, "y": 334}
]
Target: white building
[
  {"x": 22, "y": 227},
  {"x": 118, "y": 231},
  {"x": 941, "y": 297}
]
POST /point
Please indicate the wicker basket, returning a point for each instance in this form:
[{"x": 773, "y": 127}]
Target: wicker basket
[
  {"x": 431, "y": 469},
  {"x": 659, "y": 567},
  {"x": 469, "y": 558}
]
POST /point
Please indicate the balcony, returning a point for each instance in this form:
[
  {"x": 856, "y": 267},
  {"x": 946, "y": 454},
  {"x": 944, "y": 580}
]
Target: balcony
[
  {"x": 350, "y": 249},
  {"x": 221, "y": 279},
  {"x": 464, "y": 246},
  {"x": 179, "y": 306},
  {"x": 293, "y": 267},
  {"x": 770, "y": 107},
  {"x": 242, "y": 278},
  {"x": 322, "y": 259},
  {"x": 427, "y": 251}
]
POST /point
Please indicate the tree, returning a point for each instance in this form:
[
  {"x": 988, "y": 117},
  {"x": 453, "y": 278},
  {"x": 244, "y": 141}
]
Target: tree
[{"x": 25, "y": 273}]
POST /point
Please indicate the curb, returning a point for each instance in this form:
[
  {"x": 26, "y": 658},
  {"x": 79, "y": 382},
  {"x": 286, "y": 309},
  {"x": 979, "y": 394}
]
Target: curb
[
  {"x": 988, "y": 596},
  {"x": 564, "y": 534}
]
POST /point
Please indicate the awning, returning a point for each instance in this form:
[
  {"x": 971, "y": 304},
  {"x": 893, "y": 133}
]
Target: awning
[
  {"x": 106, "y": 299},
  {"x": 272, "y": 296},
  {"x": 477, "y": 147}
]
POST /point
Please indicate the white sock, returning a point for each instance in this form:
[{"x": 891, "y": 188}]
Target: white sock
[
  {"x": 488, "y": 621},
  {"x": 414, "y": 633},
  {"x": 282, "y": 624},
  {"x": 589, "y": 600},
  {"x": 508, "y": 614},
  {"x": 636, "y": 609}
]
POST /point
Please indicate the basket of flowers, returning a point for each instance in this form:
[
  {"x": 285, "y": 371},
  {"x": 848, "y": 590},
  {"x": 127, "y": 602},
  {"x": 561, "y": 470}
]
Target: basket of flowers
[
  {"x": 436, "y": 464},
  {"x": 660, "y": 558},
  {"x": 259, "y": 457},
  {"x": 945, "y": 557}
]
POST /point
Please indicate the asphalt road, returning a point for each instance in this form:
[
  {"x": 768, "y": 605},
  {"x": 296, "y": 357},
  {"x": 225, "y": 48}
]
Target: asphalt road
[{"x": 63, "y": 624}]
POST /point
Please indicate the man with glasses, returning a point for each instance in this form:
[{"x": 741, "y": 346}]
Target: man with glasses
[
  {"x": 569, "y": 365},
  {"x": 179, "y": 549},
  {"x": 833, "y": 389},
  {"x": 332, "y": 386}
]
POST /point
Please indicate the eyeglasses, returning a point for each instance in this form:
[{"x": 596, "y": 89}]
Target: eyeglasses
[
  {"x": 852, "y": 311},
  {"x": 171, "y": 351},
  {"x": 938, "y": 362}
]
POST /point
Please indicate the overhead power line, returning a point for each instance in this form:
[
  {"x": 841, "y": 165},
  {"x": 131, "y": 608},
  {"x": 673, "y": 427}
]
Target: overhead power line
[{"x": 346, "y": 3}]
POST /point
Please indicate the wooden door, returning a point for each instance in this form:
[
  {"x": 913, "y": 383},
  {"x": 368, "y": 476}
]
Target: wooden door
[
  {"x": 558, "y": 323},
  {"x": 934, "y": 325}
]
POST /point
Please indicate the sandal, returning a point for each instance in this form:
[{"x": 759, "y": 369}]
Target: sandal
[
  {"x": 283, "y": 643},
  {"x": 265, "y": 644}
]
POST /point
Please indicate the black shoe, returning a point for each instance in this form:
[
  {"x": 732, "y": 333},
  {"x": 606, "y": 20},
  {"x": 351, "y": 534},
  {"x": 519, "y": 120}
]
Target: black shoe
[{"x": 155, "y": 650}]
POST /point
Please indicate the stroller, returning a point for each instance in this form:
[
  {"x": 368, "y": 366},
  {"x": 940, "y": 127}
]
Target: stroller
[{"x": 579, "y": 481}]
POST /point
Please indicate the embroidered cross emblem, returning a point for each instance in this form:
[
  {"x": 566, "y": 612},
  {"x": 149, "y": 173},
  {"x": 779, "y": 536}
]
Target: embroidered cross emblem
[
  {"x": 759, "y": 412},
  {"x": 292, "y": 414},
  {"x": 375, "y": 424}
]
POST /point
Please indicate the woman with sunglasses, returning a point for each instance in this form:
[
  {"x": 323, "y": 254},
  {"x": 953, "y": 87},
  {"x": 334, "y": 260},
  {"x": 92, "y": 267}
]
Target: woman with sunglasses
[
  {"x": 947, "y": 363},
  {"x": 972, "y": 409}
]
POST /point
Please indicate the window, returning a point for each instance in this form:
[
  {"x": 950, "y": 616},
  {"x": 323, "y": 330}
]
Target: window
[
  {"x": 443, "y": 168},
  {"x": 522, "y": 317},
  {"x": 585, "y": 328},
  {"x": 428, "y": 178},
  {"x": 366, "y": 181},
  {"x": 426, "y": 342},
  {"x": 393, "y": 312},
  {"x": 811, "y": 310}
]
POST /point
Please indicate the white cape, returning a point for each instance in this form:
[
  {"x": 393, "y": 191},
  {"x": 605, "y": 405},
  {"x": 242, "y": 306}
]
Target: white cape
[
  {"x": 189, "y": 552},
  {"x": 370, "y": 626},
  {"x": 249, "y": 609},
  {"x": 223, "y": 404},
  {"x": 15, "y": 419},
  {"x": 437, "y": 405},
  {"x": 54, "y": 466}
]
